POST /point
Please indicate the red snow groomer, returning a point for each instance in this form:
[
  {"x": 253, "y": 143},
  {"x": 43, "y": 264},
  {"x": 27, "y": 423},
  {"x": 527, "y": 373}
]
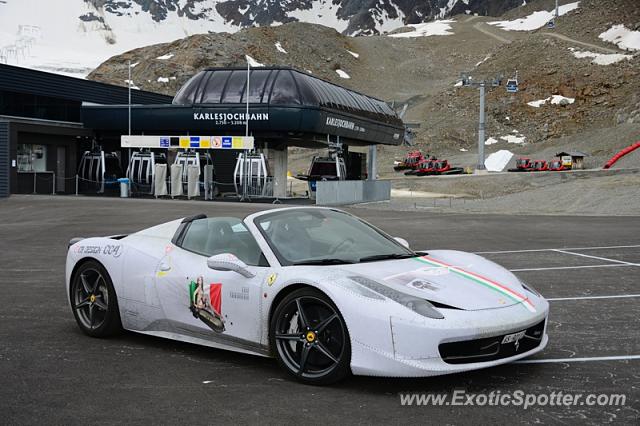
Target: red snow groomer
[
  {"x": 410, "y": 162},
  {"x": 523, "y": 164},
  {"x": 437, "y": 167},
  {"x": 540, "y": 166},
  {"x": 557, "y": 166},
  {"x": 423, "y": 165}
]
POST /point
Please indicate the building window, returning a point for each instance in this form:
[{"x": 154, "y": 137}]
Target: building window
[{"x": 32, "y": 158}]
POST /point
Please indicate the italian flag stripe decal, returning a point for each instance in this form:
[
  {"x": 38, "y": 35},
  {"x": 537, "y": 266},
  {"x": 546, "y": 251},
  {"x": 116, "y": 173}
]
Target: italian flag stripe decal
[{"x": 479, "y": 279}]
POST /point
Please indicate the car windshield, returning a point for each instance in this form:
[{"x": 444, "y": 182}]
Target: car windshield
[{"x": 326, "y": 237}]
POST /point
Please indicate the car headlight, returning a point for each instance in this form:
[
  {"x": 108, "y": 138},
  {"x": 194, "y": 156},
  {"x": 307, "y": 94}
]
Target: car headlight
[
  {"x": 416, "y": 304},
  {"x": 421, "y": 307},
  {"x": 530, "y": 289}
]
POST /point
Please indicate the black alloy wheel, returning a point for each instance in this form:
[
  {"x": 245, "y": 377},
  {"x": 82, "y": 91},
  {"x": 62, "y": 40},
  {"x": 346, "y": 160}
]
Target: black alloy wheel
[
  {"x": 310, "y": 339},
  {"x": 93, "y": 300}
]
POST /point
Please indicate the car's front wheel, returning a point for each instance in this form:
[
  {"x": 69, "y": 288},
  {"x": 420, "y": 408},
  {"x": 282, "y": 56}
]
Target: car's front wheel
[
  {"x": 310, "y": 339},
  {"x": 93, "y": 300}
]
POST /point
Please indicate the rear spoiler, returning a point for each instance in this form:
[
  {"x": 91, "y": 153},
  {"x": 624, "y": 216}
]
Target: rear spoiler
[
  {"x": 78, "y": 239},
  {"x": 74, "y": 240}
]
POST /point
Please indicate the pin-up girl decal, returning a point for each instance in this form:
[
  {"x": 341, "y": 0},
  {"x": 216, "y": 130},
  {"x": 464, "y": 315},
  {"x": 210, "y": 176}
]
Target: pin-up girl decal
[{"x": 207, "y": 305}]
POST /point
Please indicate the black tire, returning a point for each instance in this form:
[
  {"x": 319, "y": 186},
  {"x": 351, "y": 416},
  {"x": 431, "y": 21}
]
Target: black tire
[
  {"x": 94, "y": 302},
  {"x": 319, "y": 334}
]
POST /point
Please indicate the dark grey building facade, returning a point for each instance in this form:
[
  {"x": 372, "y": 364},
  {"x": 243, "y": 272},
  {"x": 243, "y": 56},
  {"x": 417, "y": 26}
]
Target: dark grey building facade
[{"x": 41, "y": 129}]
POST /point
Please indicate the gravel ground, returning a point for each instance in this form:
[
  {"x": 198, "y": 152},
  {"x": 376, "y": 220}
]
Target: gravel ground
[{"x": 615, "y": 195}]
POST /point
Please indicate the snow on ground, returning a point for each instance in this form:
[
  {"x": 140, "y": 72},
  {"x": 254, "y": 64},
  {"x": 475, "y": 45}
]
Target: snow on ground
[
  {"x": 482, "y": 61},
  {"x": 497, "y": 161},
  {"x": 600, "y": 58},
  {"x": 324, "y": 13},
  {"x": 517, "y": 139},
  {"x": 623, "y": 37},
  {"x": 165, "y": 57},
  {"x": 441, "y": 27},
  {"x": 354, "y": 54},
  {"x": 535, "y": 20},
  {"x": 253, "y": 62},
  {"x": 490, "y": 141},
  {"x": 555, "y": 100},
  {"x": 66, "y": 45},
  {"x": 343, "y": 74},
  {"x": 280, "y": 48},
  {"x": 163, "y": 80},
  {"x": 463, "y": 150},
  {"x": 133, "y": 85}
]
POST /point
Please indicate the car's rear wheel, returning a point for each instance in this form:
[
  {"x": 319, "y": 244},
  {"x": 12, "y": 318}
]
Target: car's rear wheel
[
  {"x": 310, "y": 339},
  {"x": 94, "y": 302}
]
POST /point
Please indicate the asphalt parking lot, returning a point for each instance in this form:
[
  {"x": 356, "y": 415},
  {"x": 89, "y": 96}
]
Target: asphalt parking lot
[{"x": 588, "y": 267}]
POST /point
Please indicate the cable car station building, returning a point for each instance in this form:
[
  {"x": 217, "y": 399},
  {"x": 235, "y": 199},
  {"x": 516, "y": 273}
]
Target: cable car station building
[{"x": 283, "y": 107}]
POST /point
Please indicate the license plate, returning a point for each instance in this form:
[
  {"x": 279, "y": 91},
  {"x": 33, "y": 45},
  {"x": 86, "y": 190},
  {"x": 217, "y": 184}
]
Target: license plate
[{"x": 510, "y": 338}]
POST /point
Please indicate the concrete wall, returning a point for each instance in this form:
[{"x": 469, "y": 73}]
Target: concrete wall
[{"x": 335, "y": 193}]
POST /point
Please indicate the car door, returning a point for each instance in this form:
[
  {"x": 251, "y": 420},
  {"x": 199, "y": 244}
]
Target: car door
[{"x": 220, "y": 306}]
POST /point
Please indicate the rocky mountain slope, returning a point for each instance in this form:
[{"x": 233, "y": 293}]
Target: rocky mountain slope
[
  {"x": 74, "y": 36},
  {"x": 352, "y": 17},
  {"x": 598, "y": 79}
]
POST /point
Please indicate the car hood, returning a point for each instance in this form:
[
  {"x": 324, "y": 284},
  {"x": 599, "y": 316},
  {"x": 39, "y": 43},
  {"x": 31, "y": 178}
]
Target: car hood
[{"x": 457, "y": 279}]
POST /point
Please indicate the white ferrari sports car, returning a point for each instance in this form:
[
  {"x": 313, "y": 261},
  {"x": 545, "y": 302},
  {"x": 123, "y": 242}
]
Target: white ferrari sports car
[{"x": 319, "y": 289}]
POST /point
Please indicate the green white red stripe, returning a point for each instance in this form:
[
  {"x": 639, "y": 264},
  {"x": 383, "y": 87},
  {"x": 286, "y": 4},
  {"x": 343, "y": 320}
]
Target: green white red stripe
[{"x": 479, "y": 279}]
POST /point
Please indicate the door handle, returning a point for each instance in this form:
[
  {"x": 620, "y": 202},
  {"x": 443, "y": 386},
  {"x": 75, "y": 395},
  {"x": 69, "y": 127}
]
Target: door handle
[{"x": 164, "y": 267}]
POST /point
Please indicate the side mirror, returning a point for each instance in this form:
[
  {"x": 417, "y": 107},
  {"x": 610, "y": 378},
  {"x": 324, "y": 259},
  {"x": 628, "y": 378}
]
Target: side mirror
[
  {"x": 229, "y": 262},
  {"x": 402, "y": 241}
]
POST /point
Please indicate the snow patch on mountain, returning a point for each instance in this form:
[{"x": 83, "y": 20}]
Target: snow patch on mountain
[
  {"x": 600, "y": 58},
  {"x": 441, "y": 27},
  {"x": 343, "y": 74},
  {"x": 623, "y": 37},
  {"x": 321, "y": 12},
  {"x": 535, "y": 20},
  {"x": 554, "y": 100},
  {"x": 73, "y": 37},
  {"x": 280, "y": 48},
  {"x": 252, "y": 62}
]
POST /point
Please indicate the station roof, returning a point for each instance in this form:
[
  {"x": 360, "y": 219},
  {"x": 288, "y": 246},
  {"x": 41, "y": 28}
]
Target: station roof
[
  {"x": 286, "y": 107},
  {"x": 279, "y": 86},
  {"x": 25, "y": 80}
]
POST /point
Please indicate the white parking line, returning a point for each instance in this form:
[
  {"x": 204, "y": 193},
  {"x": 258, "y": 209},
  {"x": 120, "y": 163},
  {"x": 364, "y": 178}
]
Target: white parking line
[
  {"x": 586, "y": 359},
  {"x": 553, "y": 268},
  {"x": 621, "y": 296},
  {"x": 560, "y": 248},
  {"x": 606, "y": 259}
]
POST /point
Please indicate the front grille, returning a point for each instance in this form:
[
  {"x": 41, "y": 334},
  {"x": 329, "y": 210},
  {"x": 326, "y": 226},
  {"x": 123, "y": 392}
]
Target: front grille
[{"x": 491, "y": 348}]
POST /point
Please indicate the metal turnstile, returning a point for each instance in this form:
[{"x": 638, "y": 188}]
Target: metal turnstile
[
  {"x": 141, "y": 170},
  {"x": 201, "y": 160},
  {"x": 253, "y": 172}
]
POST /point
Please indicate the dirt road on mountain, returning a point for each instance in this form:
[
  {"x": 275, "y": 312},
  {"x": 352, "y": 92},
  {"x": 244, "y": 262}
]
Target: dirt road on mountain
[
  {"x": 582, "y": 43},
  {"x": 481, "y": 26}
]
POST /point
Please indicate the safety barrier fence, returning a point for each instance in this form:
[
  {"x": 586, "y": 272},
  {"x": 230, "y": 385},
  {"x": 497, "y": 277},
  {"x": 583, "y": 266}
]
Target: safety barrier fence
[{"x": 112, "y": 188}]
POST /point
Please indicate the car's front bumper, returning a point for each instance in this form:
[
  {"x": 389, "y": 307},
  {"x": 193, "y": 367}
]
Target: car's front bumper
[{"x": 414, "y": 349}]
